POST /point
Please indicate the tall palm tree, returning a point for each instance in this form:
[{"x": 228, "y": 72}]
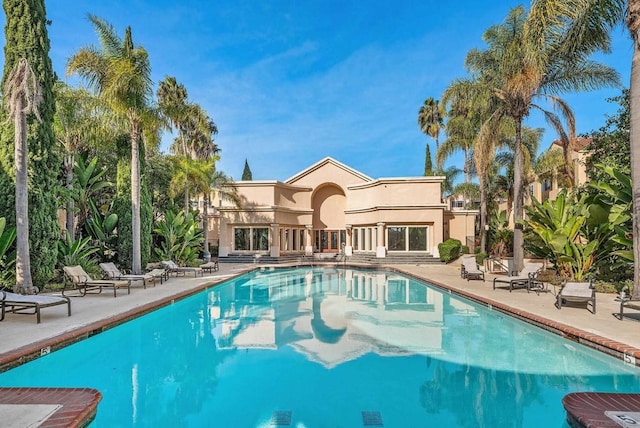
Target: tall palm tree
[
  {"x": 172, "y": 101},
  {"x": 431, "y": 118},
  {"x": 121, "y": 75},
  {"x": 522, "y": 67},
  {"x": 74, "y": 123},
  {"x": 22, "y": 96},
  {"x": 633, "y": 24}
]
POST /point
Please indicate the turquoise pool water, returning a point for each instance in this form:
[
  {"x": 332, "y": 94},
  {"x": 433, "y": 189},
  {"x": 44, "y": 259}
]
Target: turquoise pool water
[{"x": 327, "y": 347}]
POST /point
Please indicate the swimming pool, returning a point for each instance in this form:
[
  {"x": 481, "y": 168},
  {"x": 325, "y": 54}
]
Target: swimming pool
[{"x": 327, "y": 347}]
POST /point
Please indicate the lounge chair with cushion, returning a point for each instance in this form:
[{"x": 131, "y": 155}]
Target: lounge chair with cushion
[
  {"x": 577, "y": 292},
  {"x": 523, "y": 280},
  {"x": 76, "y": 278},
  {"x": 628, "y": 303},
  {"x": 470, "y": 269},
  {"x": 112, "y": 272},
  {"x": 159, "y": 273},
  {"x": 210, "y": 266},
  {"x": 25, "y": 304},
  {"x": 171, "y": 267}
]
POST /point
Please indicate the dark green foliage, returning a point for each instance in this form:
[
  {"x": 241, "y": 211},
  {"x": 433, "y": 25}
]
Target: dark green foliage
[
  {"x": 428, "y": 163},
  {"x": 611, "y": 143},
  {"x": 464, "y": 249},
  {"x": 449, "y": 250},
  {"x": 122, "y": 208},
  {"x": 246, "y": 173},
  {"x": 180, "y": 237},
  {"x": 77, "y": 252},
  {"x": 26, "y": 37},
  {"x": 7, "y": 254},
  {"x": 101, "y": 228}
]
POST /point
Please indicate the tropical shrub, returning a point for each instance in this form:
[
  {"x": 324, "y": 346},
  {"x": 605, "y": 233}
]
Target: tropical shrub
[
  {"x": 449, "y": 250},
  {"x": 7, "y": 253},
  {"x": 77, "y": 252},
  {"x": 610, "y": 208},
  {"x": 101, "y": 228},
  {"x": 557, "y": 230},
  {"x": 180, "y": 238},
  {"x": 500, "y": 237}
]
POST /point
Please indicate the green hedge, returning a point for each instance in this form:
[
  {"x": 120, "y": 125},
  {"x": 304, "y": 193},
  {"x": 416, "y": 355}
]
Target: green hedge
[{"x": 449, "y": 250}]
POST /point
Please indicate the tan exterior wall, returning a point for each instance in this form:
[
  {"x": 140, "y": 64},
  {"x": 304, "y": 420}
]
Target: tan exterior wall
[{"x": 331, "y": 198}]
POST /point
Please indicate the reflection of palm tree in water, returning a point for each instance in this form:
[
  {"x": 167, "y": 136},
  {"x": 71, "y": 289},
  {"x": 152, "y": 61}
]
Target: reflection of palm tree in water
[
  {"x": 477, "y": 396},
  {"x": 321, "y": 330}
]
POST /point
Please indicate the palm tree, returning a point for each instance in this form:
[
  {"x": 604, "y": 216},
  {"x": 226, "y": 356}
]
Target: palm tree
[
  {"x": 633, "y": 23},
  {"x": 121, "y": 75},
  {"x": 22, "y": 96},
  {"x": 172, "y": 101},
  {"x": 431, "y": 118},
  {"x": 520, "y": 67},
  {"x": 74, "y": 123}
]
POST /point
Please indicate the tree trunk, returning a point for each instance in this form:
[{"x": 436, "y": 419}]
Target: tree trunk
[
  {"x": 136, "y": 260},
  {"x": 635, "y": 162},
  {"x": 24, "y": 282},
  {"x": 483, "y": 215},
  {"x": 205, "y": 223},
  {"x": 186, "y": 200},
  {"x": 518, "y": 250}
]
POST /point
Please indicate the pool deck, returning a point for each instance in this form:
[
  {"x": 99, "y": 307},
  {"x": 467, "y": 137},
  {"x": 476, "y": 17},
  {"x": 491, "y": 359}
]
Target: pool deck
[
  {"x": 21, "y": 336},
  {"x": 22, "y": 339}
]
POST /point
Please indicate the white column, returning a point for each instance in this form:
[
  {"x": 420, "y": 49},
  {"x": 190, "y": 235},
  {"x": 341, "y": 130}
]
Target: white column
[
  {"x": 274, "y": 238},
  {"x": 381, "y": 249},
  {"x": 224, "y": 241},
  {"x": 308, "y": 248},
  {"x": 348, "y": 248}
]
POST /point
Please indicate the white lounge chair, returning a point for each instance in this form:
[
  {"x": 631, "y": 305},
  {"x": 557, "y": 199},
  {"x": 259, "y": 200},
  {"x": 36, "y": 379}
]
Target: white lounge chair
[
  {"x": 112, "y": 272},
  {"x": 77, "y": 278},
  {"x": 525, "y": 279},
  {"x": 577, "y": 292},
  {"x": 24, "y": 304},
  {"x": 172, "y": 267},
  {"x": 470, "y": 269}
]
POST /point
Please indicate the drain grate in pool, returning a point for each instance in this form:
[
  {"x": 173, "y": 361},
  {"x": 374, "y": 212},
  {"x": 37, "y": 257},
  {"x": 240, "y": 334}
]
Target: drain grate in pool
[
  {"x": 281, "y": 418},
  {"x": 371, "y": 419}
]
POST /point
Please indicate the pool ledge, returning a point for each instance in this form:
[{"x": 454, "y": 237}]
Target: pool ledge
[
  {"x": 629, "y": 354},
  {"x": 72, "y": 407}
]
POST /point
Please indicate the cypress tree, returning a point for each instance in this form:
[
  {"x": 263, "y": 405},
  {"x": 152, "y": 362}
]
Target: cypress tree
[
  {"x": 26, "y": 37},
  {"x": 428, "y": 165},
  {"x": 246, "y": 174}
]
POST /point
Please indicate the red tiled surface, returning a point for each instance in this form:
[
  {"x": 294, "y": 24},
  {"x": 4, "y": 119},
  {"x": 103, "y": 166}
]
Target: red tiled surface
[
  {"x": 586, "y": 409},
  {"x": 79, "y": 405}
]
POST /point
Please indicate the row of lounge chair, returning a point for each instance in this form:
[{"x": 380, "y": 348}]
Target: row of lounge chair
[
  {"x": 529, "y": 278},
  {"x": 76, "y": 279}
]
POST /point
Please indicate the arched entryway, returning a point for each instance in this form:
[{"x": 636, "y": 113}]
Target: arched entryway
[{"x": 328, "y": 203}]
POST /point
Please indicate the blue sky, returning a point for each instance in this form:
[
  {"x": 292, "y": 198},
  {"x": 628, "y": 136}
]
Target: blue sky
[{"x": 291, "y": 82}]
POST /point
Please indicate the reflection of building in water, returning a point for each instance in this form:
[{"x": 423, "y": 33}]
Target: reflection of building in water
[{"x": 330, "y": 315}]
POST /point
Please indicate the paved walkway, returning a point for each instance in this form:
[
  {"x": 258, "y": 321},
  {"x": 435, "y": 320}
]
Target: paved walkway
[{"x": 21, "y": 337}]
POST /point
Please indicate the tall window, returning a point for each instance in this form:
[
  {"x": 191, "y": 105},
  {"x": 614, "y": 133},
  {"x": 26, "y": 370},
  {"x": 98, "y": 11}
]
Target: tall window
[
  {"x": 407, "y": 238},
  {"x": 241, "y": 239},
  {"x": 417, "y": 239},
  {"x": 251, "y": 238},
  {"x": 260, "y": 239},
  {"x": 397, "y": 238}
]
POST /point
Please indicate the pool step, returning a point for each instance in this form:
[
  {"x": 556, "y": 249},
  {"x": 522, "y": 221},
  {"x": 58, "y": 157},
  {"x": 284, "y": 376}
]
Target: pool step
[
  {"x": 371, "y": 419},
  {"x": 282, "y": 418}
]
